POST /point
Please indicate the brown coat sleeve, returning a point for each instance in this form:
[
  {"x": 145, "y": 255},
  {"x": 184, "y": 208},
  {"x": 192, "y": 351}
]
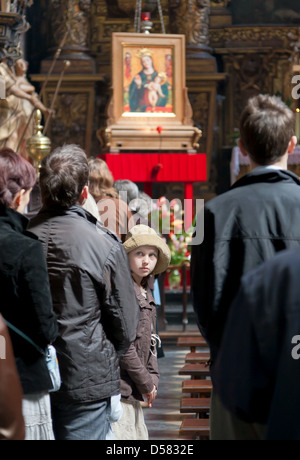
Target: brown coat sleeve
[
  {"x": 11, "y": 419},
  {"x": 137, "y": 371}
]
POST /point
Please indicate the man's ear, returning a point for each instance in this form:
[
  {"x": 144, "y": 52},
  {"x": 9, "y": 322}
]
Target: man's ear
[
  {"x": 292, "y": 145},
  {"x": 84, "y": 194},
  {"x": 242, "y": 148}
]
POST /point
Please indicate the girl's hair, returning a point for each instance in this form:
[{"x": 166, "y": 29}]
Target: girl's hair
[
  {"x": 16, "y": 174},
  {"x": 101, "y": 180}
]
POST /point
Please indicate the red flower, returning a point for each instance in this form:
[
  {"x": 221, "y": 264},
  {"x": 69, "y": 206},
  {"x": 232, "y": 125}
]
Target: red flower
[{"x": 159, "y": 129}]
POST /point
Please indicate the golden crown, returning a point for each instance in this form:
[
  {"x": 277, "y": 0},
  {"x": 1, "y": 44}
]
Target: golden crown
[{"x": 144, "y": 52}]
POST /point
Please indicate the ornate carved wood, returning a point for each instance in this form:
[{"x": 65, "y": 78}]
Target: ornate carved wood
[
  {"x": 69, "y": 23},
  {"x": 13, "y": 23},
  {"x": 254, "y": 58},
  {"x": 74, "y": 109}
]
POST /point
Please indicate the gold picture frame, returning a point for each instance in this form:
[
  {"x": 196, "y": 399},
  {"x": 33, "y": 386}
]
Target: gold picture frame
[{"x": 149, "y": 108}]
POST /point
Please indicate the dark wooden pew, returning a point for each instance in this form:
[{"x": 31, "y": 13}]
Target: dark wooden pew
[
  {"x": 192, "y": 358},
  {"x": 195, "y": 371},
  {"x": 192, "y": 342},
  {"x": 197, "y": 428},
  {"x": 202, "y": 388}
]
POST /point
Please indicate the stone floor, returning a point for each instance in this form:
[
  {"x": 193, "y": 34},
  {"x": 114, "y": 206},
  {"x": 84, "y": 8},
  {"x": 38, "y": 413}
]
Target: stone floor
[{"x": 164, "y": 419}]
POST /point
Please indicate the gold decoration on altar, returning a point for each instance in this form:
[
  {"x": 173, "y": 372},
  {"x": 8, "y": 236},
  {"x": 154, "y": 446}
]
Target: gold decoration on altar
[{"x": 38, "y": 146}]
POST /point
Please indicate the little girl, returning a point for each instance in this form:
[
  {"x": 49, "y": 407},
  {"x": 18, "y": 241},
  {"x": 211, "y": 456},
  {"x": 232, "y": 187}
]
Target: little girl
[{"x": 148, "y": 255}]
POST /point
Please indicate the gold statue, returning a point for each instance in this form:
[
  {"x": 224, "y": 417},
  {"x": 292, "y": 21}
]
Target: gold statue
[{"x": 21, "y": 100}]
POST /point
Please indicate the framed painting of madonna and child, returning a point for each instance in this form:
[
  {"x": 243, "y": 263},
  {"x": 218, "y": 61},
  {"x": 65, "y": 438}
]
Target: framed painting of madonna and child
[{"x": 148, "y": 75}]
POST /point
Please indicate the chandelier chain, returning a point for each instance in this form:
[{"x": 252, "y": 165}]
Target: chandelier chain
[
  {"x": 137, "y": 17},
  {"x": 161, "y": 17}
]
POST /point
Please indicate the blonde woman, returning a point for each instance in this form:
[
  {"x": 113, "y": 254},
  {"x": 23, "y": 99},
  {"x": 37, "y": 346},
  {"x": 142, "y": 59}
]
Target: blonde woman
[{"x": 114, "y": 212}]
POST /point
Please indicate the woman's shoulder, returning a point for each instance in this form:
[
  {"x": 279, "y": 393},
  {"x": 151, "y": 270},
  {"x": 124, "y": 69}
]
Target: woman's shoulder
[
  {"x": 22, "y": 247},
  {"x": 30, "y": 242}
]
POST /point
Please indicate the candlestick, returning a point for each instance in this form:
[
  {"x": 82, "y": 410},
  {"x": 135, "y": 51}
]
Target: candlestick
[
  {"x": 146, "y": 16},
  {"x": 297, "y": 127},
  {"x": 146, "y": 24}
]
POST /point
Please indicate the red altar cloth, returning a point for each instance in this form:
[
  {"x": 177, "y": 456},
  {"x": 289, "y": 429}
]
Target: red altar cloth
[
  {"x": 157, "y": 167},
  {"x": 160, "y": 167}
]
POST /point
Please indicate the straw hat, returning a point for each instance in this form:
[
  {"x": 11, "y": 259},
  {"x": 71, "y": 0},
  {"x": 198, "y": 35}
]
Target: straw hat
[{"x": 142, "y": 235}]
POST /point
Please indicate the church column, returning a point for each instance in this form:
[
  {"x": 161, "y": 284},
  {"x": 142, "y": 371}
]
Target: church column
[
  {"x": 191, "y": 18},
  {"x": 69, "y": 38},
  {"x": 68, "y": 28}
]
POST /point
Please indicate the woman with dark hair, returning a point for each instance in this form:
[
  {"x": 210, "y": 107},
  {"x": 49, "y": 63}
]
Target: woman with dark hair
[{"x": 25, "y": 288}]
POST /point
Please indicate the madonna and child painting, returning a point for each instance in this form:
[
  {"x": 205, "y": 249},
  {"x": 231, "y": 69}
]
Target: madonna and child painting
[{"x": 148, "y": 80}]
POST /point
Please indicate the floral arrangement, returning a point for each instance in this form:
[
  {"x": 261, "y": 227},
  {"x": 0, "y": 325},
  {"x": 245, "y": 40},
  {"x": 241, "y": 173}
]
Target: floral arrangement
[
  {"x": 179, "y": 247},
  {"x": 168, "y": 220}
]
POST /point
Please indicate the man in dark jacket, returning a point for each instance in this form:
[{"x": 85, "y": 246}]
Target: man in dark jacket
[
  {"x": 93, "y": 297},
  {"x": 247, "y": 225},
  {"x": 257, "y": 371}
]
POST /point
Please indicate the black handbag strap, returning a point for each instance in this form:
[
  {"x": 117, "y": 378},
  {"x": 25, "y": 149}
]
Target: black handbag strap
[{"x": 25, "y": 337}]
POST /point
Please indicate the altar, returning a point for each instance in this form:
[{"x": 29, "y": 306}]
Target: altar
[
  {"x": 148, "y": 168},
  {"x": 149, "y": 109}
]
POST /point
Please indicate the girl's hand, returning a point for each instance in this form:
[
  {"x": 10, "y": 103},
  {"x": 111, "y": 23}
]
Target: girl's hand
[{"x": 151, "y": 396}]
